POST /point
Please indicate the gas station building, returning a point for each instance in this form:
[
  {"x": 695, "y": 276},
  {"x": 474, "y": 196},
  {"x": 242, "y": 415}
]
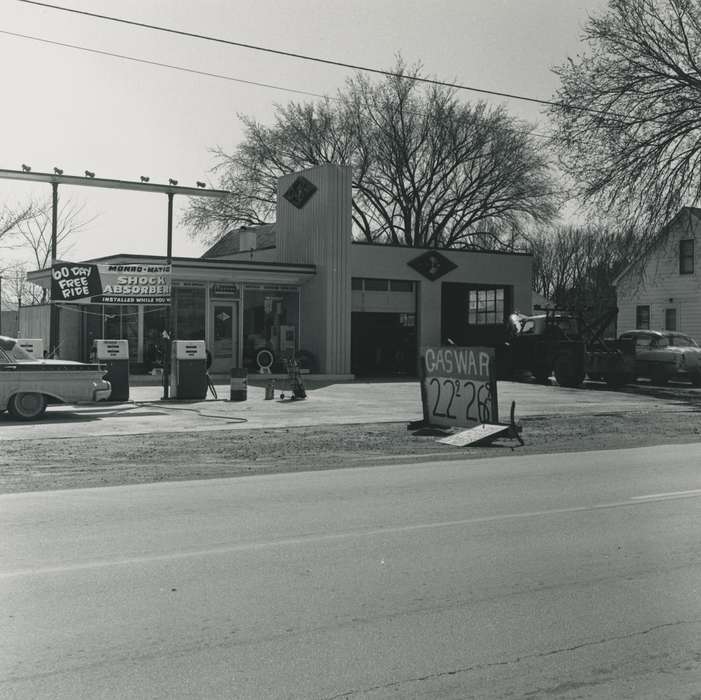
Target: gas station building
[{"x": 302, "y": 284}]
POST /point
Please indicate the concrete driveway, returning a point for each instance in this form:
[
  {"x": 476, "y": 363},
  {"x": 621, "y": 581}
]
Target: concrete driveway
[{"x": 347, "y": 403}]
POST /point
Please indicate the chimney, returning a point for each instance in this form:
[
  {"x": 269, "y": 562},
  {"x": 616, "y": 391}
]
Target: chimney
[{"x": 247, "y": 239}]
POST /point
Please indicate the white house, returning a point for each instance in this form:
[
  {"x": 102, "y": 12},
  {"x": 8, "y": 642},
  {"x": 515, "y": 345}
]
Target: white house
[{"x": 662, "y": 291}]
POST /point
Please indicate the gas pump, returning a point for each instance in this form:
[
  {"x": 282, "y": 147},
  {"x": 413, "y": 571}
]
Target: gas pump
[
  {"x": 188, "y": 369},
  {"x": 34, "y": 346},
  {"x": 114, "y": 355}
]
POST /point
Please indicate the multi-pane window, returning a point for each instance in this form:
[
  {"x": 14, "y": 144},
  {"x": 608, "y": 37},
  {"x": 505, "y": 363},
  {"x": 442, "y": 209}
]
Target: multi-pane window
[
  {"x": 486, "y": 307},
  {"x": 686, "y": 256},
  {"x": 374, "y": 285},
  {"x": 401, "y": 285},
  {"x": 370, "y": 284},
  {"x": 642, "y": 317}
]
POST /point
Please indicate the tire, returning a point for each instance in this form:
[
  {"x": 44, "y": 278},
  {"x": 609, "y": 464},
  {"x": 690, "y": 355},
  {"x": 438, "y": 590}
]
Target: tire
[
  {"x": 542, "y": 376},
  {"x": 659, "y": 378},
  {"x": 27, "y": 406},
  {"x": 566, "y": 373},
  {"x": 617, "y": 379},
  {"x": 265, "y": 358}
]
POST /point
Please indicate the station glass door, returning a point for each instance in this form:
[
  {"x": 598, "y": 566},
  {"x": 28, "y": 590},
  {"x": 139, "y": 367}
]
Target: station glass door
[{"x": 225, "y": 336}]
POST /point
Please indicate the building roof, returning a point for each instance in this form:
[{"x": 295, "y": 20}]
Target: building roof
[
  {"x": 229, "y": 243},
  {"x": 253, "y": 271},
  {"x": 658, "y": 240}
]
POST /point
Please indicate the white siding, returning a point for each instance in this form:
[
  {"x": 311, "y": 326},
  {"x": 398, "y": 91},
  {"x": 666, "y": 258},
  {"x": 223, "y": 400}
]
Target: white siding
[{"x": 660, "y": 285}]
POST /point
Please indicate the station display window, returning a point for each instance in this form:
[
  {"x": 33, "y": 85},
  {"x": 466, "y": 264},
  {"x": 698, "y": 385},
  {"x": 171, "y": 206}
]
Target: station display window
[
  {"x": 122, "y": 323},
  {"x": 155, "y": 322},
  {"x": 189, "y": 308},
  {"x": 271, "y": 323}
]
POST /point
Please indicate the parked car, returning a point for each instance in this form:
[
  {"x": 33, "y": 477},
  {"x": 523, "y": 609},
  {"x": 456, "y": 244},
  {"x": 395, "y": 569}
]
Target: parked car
[
  {"x": 664, "y": 355},
  {"x": 27, "y": 385}
]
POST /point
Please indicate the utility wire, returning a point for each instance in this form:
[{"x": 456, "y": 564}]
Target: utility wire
[
  {"x": 159, "y": 64},
  {"x": 194, "y": 71},
  {"x": 304, "y": 57}
]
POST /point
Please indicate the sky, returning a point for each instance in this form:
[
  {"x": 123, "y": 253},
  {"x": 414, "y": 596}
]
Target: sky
[{"x": 121, "y": 119}]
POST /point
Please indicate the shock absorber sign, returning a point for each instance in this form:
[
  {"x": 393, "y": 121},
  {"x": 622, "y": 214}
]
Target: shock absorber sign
[{"x": 458, "y": 386}]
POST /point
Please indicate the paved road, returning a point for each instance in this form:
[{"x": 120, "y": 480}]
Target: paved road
[
  {"x": 570, "y": 576},
  {"x": 349, "y": 403}
]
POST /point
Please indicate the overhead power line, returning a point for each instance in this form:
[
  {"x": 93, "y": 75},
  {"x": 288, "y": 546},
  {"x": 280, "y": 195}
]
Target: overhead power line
[
  {"x": 303, "y": 57},
  {"x": 194, "y": 71},
  {"x": 159, "y": 64}
]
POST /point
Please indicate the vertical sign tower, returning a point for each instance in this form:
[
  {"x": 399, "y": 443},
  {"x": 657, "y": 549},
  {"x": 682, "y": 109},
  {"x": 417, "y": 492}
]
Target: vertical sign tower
[{"x": 314, "y": 227}]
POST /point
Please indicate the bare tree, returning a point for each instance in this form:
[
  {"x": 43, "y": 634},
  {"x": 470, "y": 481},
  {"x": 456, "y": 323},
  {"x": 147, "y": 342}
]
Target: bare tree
[
  {"x": 427, "y": 169},
  {"x": 34, "y": 233},
  {"x": 628, "y": 116},
  {"x": 575, "y": 266},
  {"x": 17, "y": 290},
  {"x": 30, "y": 239},
  {"x": 10, "y": 218}
]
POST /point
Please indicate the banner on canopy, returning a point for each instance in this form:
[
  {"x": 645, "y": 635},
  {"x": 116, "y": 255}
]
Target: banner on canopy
[{"x": 110, "y": 283}]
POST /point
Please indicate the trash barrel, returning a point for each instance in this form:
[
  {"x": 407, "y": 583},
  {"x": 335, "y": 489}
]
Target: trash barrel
[{"x": 239, "y": 384}]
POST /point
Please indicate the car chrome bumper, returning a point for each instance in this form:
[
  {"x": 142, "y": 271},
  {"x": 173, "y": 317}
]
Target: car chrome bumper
[{"x": 102, "y": 391}]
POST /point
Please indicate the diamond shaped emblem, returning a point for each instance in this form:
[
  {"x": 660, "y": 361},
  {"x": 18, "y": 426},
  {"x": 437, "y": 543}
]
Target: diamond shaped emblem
[
  {"x": 299, "y": 192},
  {"x": 432, "y": 265}
]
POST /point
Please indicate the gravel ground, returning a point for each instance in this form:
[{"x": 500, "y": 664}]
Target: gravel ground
[{"x": 64, "y": 463}]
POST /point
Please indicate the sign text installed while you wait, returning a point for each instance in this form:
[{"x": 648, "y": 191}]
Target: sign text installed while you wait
[{"x": 458, "y": 386}]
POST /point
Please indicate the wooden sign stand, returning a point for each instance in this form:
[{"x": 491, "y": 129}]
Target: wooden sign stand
[{"x": 486, "y": 433}]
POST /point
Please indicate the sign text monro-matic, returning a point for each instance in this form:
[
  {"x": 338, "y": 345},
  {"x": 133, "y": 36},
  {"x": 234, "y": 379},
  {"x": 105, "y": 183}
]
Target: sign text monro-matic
[{"x": 458, "y": 386}]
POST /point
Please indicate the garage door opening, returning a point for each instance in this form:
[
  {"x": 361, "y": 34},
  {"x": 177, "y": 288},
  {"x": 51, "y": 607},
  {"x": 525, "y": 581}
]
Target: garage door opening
[{"x": 383, "y": 344}]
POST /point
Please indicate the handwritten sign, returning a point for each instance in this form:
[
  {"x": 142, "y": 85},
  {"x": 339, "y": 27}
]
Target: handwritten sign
[
  {"x": 74, "y": 282},
  {"x": 458, "y": 386}
]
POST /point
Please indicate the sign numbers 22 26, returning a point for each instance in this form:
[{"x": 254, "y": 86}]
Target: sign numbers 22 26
[{"x": 459, "y": 400}]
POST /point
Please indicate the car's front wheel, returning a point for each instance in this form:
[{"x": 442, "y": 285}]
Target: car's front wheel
[
  {"x": 567, "y": 372},
  {"x": 659, "y": 378},
  {"x": 27, "y": 405}
]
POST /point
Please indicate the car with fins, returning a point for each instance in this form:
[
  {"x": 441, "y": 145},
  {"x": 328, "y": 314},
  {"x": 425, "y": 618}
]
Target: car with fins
[
  {"x": 662, "y": 356},
  {"x": 28, "y": 385}
]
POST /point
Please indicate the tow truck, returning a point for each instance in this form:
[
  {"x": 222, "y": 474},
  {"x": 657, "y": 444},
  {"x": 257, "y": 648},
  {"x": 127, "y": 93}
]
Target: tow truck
[{"x": 558, "y": 341}]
